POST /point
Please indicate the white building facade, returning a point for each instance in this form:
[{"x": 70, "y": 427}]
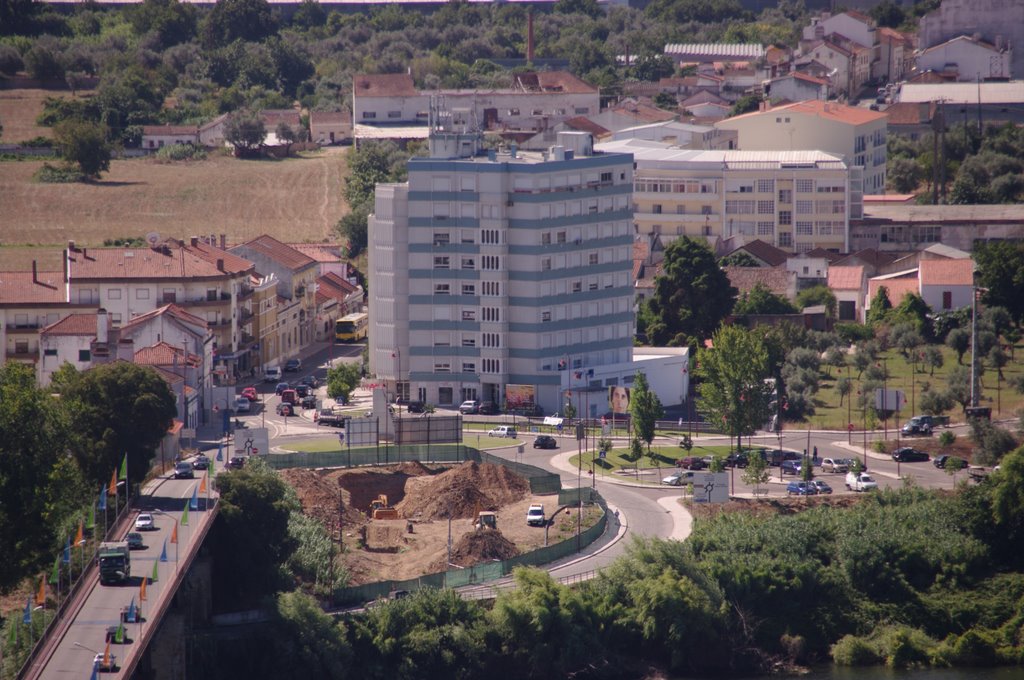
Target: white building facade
[{"x": 493, "y": 275}]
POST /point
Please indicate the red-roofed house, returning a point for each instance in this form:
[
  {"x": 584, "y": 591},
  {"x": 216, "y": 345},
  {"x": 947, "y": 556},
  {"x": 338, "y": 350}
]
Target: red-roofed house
[
  {"x": 330, "y": 127},
  {"x": 946, "y": 284},
  {"x": 897, "y": 287},
  {"x": 796, "y": 87},
  {"x": 778, "y": 281},
  {"x": 848, "y": 284},
  {"x": 348, "y": 297}
]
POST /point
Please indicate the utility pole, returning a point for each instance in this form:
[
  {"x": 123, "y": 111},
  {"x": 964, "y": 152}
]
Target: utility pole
[{"x": 974, "y": 344}]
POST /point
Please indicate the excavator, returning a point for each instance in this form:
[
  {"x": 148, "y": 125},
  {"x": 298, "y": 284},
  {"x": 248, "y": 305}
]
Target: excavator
[{"x": 380, "y": 509}]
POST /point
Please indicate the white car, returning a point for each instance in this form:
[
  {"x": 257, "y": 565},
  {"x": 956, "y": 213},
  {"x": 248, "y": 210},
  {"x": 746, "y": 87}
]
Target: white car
[
  {"x": 834, "y": 465},
  {"x": 502, "y": 431},
  {"x": 242, "y": 404},
  {"x": 678, "y": 478},
  {"x": 109, "y": 665},
  {"x": 144, "y": 522},
  {"x": 860, "y": 481},
  {"x": 535, "y": 515}
]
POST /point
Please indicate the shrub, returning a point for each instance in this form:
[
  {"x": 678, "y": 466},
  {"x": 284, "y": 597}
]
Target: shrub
[
  {"x": 63, "y": 174},
  {"x": 854, "y": 651},
  {"x": 854, "y": 332},
  {"x": 973, "y": 648},
  {"x": 181, "y": 152},
  {"x": 10, "y": 60},
  {"x": 904, "y": 647}
]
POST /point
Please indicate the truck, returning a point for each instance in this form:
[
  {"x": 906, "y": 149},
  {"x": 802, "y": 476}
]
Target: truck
[
  {"x": 115, "y": 562},
  {"x": 328, "y": 416},
  {"x": 924, "y": 424}
]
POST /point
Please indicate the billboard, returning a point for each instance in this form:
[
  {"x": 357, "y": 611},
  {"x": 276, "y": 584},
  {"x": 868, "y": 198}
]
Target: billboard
[
  {"x": 618, "y": 399},
  {"x": 428, "y": 430},
  {"x": 361, "y": 431},
  {"x": 889, "y": 400},
  {"x": 519, "y": 397}
]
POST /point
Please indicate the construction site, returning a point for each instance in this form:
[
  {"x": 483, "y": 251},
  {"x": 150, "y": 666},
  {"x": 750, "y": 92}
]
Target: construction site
[{"x": 395, "y": 522}]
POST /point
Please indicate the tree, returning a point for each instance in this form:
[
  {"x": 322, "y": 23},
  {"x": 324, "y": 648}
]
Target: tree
[
  {"x": 666, "y": 100},
  {"x": 307, "y": 642},
  {"x": 372, "y": 164},
  {"x": 959, "y": 390},
  {"x": 934, "y": 403},
  {"x": 932, "y": 357},
  {"x": 644, "y": 409},
  {"x": 733, "y": 388},
  {"x": 286, "y": 134},
  {"x": 905, "y": 338},
  {"x": 993, "y": 442},
  {"x": 231, "y": 20},
  {"x": 818, "y": 295},
  {"x": 116, "y": 410},
  {"x": 757, "y": 472},
  {"x": 84, "y": 144},
  {"x": 835, "y": 357},
  {"x": 245, "y": 131},
  {"x": 739, "y": 258},
  {"x": 998, "y": 358},
  {"x": 650, "y": 67},
  {"x": 880, "y": 306},
  {"x": 10, "y": 60},
  {"x": 342, "y": 379},
  {"x": 959, "y": 340},
  {"x": 843, "y": 386},
  {"x": 692, "y": 295},
  {"x": 42, "y": 61},
  {"x": 903, "y": 175},
  {"x": 171, "y": 22},
  {"x": 1001, "y": 272},
  {"x": 354, "y": 228},
  {"x": 760, "y": 300}
]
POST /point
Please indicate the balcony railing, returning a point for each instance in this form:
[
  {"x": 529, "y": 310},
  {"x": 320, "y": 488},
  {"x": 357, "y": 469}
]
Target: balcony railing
[{"x": 23, "y": 327}]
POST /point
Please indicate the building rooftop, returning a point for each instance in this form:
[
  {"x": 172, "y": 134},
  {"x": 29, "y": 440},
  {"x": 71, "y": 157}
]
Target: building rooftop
[
  {"x": 32, "y": 288},
  {"x": 1011, "y": 92},
  {"x": 764, "y": 251},
  {"x": 897, "y": 288},
  {"x": 851, "y": 115},
  {"x": 909, "y": 213},
  {"x": 656, "y": 153},
  {"x": 745, "y": 279},
  {"x": 845, "y": 278},
  {"x": 165, "y": 354},
  {"x": 73, "y": 324},
  {"x": 170, "y": 259},
  {"x": 171, "y": 310},
  {"x": 947, "y": 272},
  {"x": 270, "y": 247},
  {"x": 716, "y": 50},
  {"x": 384, "y": 85}
]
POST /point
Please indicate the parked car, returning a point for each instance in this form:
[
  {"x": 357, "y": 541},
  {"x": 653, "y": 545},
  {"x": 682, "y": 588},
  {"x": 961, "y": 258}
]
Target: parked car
[
  {"x": 779, "y": 456},
  {"x": 312, "y": 381},
  {"x": 183, "y": 470},
  {"x": 792, "y": 467},
  {"x": 851, "y": 461},
  {"x": 535, "y": 515},
  {"x": 241, "y": 404},
  {"x": 251, "y": 394},
  {"x": 678, "y": 478},
  {"x": 487, "y": 408},
  {"x": 834, "y": 465},
  {"x": 942, "y": 461},
  {"x": 144, "y": 522},
  {"x": 821, "y": 486},
  {"x": 545, "y": 442},
  {"x": 272, "y": 374},
  {"x": 135, "y": 541},
  {"x": 907, "y": 454},
  {"x": 860, "y": 481},
  {"x": 502, "y": 431},
  {"x": 801, "y": 489},
  {"x": 411, "y": 406},
  {"x": 236, "y": 462},
  {"x": 285, "y": 409},
  {"x": 293, "y": 365},
  {"x": 469, "y": 407},
  {"x": 200, "y": 462},
  {"x": 691, "y": 463},
  {"x": 281, "y": 387},
  {"x": 916, "y": 426},
  {"x": 738, "y": 460}
]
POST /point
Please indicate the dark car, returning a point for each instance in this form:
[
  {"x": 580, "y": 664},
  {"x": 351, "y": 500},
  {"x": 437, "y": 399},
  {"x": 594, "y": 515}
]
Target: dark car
[
  {"x": 801, "y": 489},
  {"x": 285, "y": 409},
  {"x": 310, "y": 380},
  {"x": 792, "y": 467},
  {"x": 912, "y": 428},
  {"x": 738, "y": 460},
  {"x": 691, "y": 463},
  {"x": 236, "y": 462},
  {"x": 779, "y": 456},
  {"x": 281, "y": 387},
  {"x": 183, "y": 470},
  {"x": 415, "y": 407},
  {"x": 135, "y": 541},
  {"x": 302, "y": 390},
  {"x": 309, "y": 401},
  {"x": 487, "y": 408},
  {"x": 293, "y": 365},
  {"x": 200, "y": 462},
  {"x": 545, "y": 442},
  {"x": 907, "y": 454},
  {"x": 942, "y": 461}
]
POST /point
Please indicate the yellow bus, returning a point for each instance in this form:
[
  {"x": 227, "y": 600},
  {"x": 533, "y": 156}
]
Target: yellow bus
[{"x": 351, "y": 328}]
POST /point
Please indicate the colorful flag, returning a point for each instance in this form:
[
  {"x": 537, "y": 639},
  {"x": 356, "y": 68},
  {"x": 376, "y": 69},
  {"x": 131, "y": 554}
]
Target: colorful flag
[
  {"x": 163, "y": 553},
  {"x": 12, "y": 635},
  {"x": 174, "y": 533},
  {"x": 193, "y": 502},
  {"x": 90, "y": 523},
  {"x": 202, "y": 485},
  {"x": 112, "y": 489},
  {"x": 220, "y": 453},
  {"x": 55, "y": 574},
  {"x": 142, "y": 590},
  {"x": 119, "y": 635},
  {"x": 156, "y": 571},
  {"x": 26, "y": 617},
  {"x": 95, "y": 673},
  {"x": 67, "y": 551},
  {"x": 80, "y": 536},
  {"x": 103, "y": 499},
  {"x": 41, "y": 595},
  {"x": 123, "y": 474},
  {"x": 106, "y": 655},
  {"x": 131, "y": 611},
  {"x": 184, "y": 514}
]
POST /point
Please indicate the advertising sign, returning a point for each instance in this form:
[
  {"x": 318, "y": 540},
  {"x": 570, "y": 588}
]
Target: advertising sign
[
  {"x": 618, "y": 399},
  {"x": 519, "y": 397}
]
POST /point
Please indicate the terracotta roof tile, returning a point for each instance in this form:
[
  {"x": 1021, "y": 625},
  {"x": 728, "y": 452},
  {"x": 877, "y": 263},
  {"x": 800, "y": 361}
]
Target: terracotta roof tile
[
  {"x": 910, "y": 113},
  {"x": 334, "y": 286},
  {"x": 845, "y": 278},
  {"x": 384, "y": 85},
  {"x": 21, "y": 288},
  {"x": 164, "y": 354},
  {"x": 744, "y": 279},
  {"x": 897, "y": 288},
  {"x": 853, "y": 115},
  {"x": 329, "y": 117},
  {"x": 180, "y": 130},
  {"x": 584, "y": 124},
  {"x": 270, "y": 247},
  {"x": 272, "y": 117},
  {"x": 766, "y": 252},
  {"x": 169, "y": 260},
  {"x": 947, "y": 272},
  {"x": 321, "y": 252},
  {"x": 169, "y": 377},
  {"x": 553, "y": 82},
  {"x": 73, "y": 324},
  {"x": 171, "y": 309}
]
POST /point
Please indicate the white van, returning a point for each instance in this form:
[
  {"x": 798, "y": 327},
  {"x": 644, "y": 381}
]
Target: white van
[
  {"x": 272, "y": 374},
  {"x": 860, "y": 481}
]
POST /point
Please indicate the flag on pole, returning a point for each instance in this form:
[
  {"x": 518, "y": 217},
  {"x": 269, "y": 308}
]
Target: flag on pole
[
  {"x": 112, "y": 489},
  {"x": 119, "y": 635},
  {"x": 12, "y": 635},
  {"x": 174, "y": 533},
  {"x": 156, "y": 572},
  {"x": 163, "y": 554},
  {"x": 41, "y": 595},
  {"x": 142, "y": 590},
  {"x": 193, "y": 502},
  {"x": 67, "y": 551},
  {"x": 55, "y": 573},
  {"x": 103, "y": 499},
  {"x": 106, "y": 655},
  {"x": 80, "y": 536},
  {"x": 26, "y": 617},
  {"x": 184, "y": 514},
  {"x": 95, "y": 673},
  {"x": 220, "y": 452},
  {"x": 90, "y": 522},
  {"x": 131, "y": 611},
  {"x": 202, "y": 485},
  {"x": 123, "y": 474}
]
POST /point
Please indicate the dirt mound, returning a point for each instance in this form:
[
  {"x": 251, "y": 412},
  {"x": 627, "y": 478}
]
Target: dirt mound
[
  {"x": 463, "y": 491},
  {"x": 479, "y": 546},
  {"x": 320, "y": 495}
]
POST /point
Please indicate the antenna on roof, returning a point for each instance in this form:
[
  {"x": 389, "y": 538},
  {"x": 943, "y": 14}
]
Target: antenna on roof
[{"x": 152, "y": 238}]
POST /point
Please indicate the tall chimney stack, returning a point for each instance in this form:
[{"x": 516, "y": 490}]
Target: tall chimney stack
[
  {"x": 35, "y": 273},
  {"x": 529, "y": 36}
]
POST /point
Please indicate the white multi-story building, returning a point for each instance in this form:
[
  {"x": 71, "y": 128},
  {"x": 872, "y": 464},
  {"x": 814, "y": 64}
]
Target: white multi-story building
[
  {"x": 795, "y": 200},
  {"x": 855, "y": 133},
  {"x": 967, "y": 59},
  {"x": 493, "y": 275}
]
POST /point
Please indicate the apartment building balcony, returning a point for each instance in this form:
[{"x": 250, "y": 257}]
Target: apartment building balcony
[
  {"x": 245, "y": 292},
  {"x": 245, "y": 314},
  {"x": 22, "y": 355},
  {"x": 221, "y": 299},
  {"x": 22, "y": 328},
  {"x": 677, "y": 218}
]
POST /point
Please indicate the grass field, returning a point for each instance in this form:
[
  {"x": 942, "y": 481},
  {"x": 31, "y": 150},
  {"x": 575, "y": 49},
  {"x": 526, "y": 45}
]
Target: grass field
[
  {"x": 19, "y": 108},
  {"x": 666, "y": 457}
]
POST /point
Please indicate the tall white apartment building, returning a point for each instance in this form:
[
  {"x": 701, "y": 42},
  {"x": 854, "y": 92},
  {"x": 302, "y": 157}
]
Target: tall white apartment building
[
  {"x": 795, "y": 200},
  {"x": 494, "y": 273}
]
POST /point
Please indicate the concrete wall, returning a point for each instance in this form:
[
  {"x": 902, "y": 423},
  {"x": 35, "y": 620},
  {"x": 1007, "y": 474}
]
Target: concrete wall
[{"x": 991, "y": 18}]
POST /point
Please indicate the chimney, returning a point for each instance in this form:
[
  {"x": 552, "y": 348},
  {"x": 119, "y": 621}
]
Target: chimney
[
  {"x": 35, "y": 273},
  {"x": 194, "y": 241},
  {"x": 71, "y": 246},
  {"x": 65, "y": 263},
  {"x": 220, "y": 264},
  {"x": 223, "y": 241},
  {"x": 85, "y": 253},
  {"x": 529, "y": 36},
  {"x": 102, "y": 327}
]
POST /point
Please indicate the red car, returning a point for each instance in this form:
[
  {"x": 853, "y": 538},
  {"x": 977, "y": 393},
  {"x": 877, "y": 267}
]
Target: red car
[{"x": 250, "y": 394}]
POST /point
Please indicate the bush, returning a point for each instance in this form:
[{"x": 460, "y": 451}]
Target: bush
[
  {"x": 181, "y": 152},
  {"x": 904, "y": 647},
  {"x": 854, "y": 651},
  {"x": 10, "y": 60},
  {"x": 854, "y": 332},
  {"x": 53, "y": 174},
  {"x": 973, "y": 648}
]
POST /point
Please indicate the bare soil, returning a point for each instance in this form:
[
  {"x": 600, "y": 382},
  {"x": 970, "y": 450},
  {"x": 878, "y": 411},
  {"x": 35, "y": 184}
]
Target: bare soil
[
  {"x": 19, "y": 108},
  {"x": 417, "y": 542}
]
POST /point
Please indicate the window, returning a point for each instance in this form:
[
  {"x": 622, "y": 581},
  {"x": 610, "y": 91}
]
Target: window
[
  {"x": 83, "y": 354},
  {"x": 680, "y": 209},
  {"x": 560, "y": 237},
  {"x": 442, "y": 289},
  {"x": 468, "y": 367},
  {"x": 444, "y": 395},
  {"x": 581, "y": 110},
  {"x": 705, "y": 210},
  {"x": 489, "y": 236},
  {"x": 441, "y": 262},
  {"x": 804, "y": 228},
  {"x": 468, "y": 315},
  {"x": 491, "y": 365},
  {"x": 785, "y": 217},
  {"x": 490, "y": 262},
  {"x": 491, "y": 287},
  {"x": 577, "y": 286},
  {"x": 492, "y": 340},
  {"x": 442, "y": 340},
  {"x": 656, "y": 208},
  {"x": 947, "y": 299},
  {"x": 545, "y": 316},
  {"x": 805, "y": 186},
  {"x": 369, "y": 114},
  {"x": 490, "y": 314},
  {"x": 804, "y": 207},
  {"x": 468, "y": 263},
  {"x": 441, "y": 238},
  {"x": 545, "y": 238},
  {"x": 606, "y": 177},
  {"x": 765, "y": 186},
  {"x": 785, "y": 195},
  {"x": 468, "y": 341},
  {"x": 739, "y": 207},
  {"x": 592, "y": 285},
  {"x": 538, "y": 112},
  {"x": 513, "y": 112},
  {"x": 394, "y": 114},
  {"x": 468, "y": 289},
  {"x": 785, "y": 240},
  {"x": 443, "y": 367},
  {"x": 545, "y": 264},
  {"x": 143, "y": 294},
  {"x": 765, "y": 228},
  {"x": 114, "y": 294},
  {"x": 766, "y": 207},
  {"x": 593, "y": 258}
]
